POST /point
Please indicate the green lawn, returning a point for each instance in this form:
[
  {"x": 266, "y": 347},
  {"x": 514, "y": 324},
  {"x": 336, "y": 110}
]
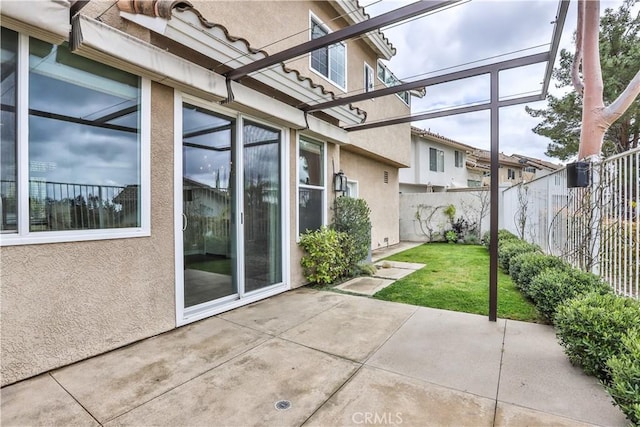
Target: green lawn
[
  {"x": 456, "y": 277},
  {"x": 220, "y": 266}
]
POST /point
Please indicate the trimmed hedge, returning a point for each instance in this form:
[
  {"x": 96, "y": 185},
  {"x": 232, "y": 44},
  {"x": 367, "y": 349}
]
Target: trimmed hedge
[
  {"x": 503, "y": 236},
  {"x": 352, "y": 217},
  {"x": 511, "y": 248},
  {"x": 625, "y": 376},
  {"x": 554, "y": 286},
  {"x": 591, "y": 327},
  {"x": 525, "y": 266}
]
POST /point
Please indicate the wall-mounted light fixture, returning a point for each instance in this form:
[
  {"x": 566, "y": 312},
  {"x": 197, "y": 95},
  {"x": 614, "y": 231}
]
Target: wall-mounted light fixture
[{"x": 340, "y": 182}]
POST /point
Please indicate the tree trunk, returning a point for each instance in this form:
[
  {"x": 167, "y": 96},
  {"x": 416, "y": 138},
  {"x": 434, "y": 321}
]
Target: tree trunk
[{"x": 593, "y": 123}]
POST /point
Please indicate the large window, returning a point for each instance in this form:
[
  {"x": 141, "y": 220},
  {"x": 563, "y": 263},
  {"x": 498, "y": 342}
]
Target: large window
[
  {"x": 329, "y": 61},
  {"x": 436, "y": 160},
  {"x": 79, "y": 164},
  {"x": 8, "y": 170},
  {"x": 310, "y": 185}
]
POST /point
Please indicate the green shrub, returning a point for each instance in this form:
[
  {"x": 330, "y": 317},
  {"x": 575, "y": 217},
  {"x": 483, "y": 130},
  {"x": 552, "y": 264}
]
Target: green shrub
[
  {"x": 591, "y": 327},
  {"x": 503, "y": 236},
  {"x": 625, "y": 376},
  {"x": 324, "y": 260},
  {"x": 451, "y": 236},
  {"x": 450, "y": 212},
  {"x": 525, "y": 266},
  {"x": 506, "y": 235},
  {"x": 554, "y": 286},
  {"x": 510, "y": 249},
  {"x": 352, "y": 217}
]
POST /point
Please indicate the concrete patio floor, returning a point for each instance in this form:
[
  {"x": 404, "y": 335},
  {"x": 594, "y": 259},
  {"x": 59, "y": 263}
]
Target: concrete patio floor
[{"x": 336, "y": 359}]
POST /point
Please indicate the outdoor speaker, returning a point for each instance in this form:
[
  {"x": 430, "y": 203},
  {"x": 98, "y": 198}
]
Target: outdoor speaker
[{"x": 578, "y": 174}]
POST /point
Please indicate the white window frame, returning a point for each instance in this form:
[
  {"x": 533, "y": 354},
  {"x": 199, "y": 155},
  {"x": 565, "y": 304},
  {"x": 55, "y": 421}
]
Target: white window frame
[
  {"x": 318, "y": 21},
  {"x": 188, "y": 315},
  {"x": 25, "y": 237},
  {"x": 439, "y": 160},
  {"x": 369, "y": 78},
  {"x": 311, "y": 187},
  {"x": 458, "y": 158},
  {"x": 354, "y": 183}
]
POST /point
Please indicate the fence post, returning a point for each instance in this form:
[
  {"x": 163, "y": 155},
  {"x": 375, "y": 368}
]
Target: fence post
[{"x": 597, "y": 200}]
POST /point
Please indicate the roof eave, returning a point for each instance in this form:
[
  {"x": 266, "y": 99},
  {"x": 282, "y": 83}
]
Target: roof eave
[{"x": 353, "y": 13}]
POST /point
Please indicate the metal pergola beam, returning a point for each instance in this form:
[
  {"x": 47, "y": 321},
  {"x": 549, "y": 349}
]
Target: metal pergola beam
[
  {"x": 561, "y": 16},
  {"x": 494, "y": 197},
  {"x": 431, "y": 81},
  {"x": 445, "y": 113},
  {"x": 375, "y": 23}
]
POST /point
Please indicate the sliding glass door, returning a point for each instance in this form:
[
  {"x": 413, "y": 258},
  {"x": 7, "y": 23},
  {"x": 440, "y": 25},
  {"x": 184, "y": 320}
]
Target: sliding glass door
[
  {"x": 262, "y": 207},
  {"x": 231, "y": 222},
  {"x": 208, "y": 206}
]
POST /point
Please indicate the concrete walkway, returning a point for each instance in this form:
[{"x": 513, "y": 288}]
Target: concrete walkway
[{"x": 323, "y": 359}]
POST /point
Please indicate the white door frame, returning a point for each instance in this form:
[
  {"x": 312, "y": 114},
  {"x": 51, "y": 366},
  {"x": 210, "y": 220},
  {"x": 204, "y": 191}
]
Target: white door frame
[{"x": 201, "y": 311}]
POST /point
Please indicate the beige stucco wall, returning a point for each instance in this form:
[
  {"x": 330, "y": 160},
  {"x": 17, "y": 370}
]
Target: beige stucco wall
[
  {"x": 57, "y": 309},
  {"x": 383, "y": 199}
]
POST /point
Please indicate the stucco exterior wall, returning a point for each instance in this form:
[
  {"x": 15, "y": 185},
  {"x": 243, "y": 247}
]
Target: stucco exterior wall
[
  {"x": 382, "y": 198},
  {"x": 391, "y": 143},
  {"x": 57, "y": 309}
]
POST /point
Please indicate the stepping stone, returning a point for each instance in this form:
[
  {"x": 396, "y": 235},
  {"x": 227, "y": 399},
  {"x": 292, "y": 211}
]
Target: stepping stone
[{"x": 365, "y": 285}]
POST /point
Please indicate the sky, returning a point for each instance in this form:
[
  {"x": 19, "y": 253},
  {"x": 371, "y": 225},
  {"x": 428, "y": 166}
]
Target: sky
[{"x": 485, "y": 31}]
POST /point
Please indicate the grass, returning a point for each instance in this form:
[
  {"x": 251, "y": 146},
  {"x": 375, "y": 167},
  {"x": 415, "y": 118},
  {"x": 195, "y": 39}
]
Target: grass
[
  {"x": 456, "y": 277},
  {"x": 220, "y": 266}
]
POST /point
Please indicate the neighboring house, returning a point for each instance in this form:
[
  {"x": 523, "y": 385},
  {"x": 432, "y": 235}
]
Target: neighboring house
[
  {"x": 437, "y": 163},
  {"x": 513, "y": 169},
  {"x": 440, "y": 164},
  {"x": 533, "y": 168},
  {"x": 126, "y": 114}
]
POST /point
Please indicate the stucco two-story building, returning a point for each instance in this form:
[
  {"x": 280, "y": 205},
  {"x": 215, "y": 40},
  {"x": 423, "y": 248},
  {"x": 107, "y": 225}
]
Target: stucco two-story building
[
  {"x": 440, "y": 164},
  {"x": 143, "y": 190},
  {"x": 437, "y": 164}
]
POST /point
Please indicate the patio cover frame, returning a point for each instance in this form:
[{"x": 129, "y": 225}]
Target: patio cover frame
[{"x": 494, "y": 104}]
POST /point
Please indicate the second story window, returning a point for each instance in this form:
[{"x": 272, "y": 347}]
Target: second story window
[
  {"x": 459, "y": 159},
  {"x": 511, "y": 174},
  {"x": 330, "y": 61},
  {"x": 389, "y": 79},
  {"x": 369, "y": 84},
  {"x": 436, "y": 160}
]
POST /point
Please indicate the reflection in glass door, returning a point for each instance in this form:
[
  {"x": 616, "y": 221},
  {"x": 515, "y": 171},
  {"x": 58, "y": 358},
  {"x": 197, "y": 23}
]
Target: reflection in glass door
[
  {"x": 208, "y": 207},
  {"x": 262, "y": 207}
]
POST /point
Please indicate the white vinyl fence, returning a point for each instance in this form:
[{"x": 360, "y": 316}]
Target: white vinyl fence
[{"x": 595, "y": 228}]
